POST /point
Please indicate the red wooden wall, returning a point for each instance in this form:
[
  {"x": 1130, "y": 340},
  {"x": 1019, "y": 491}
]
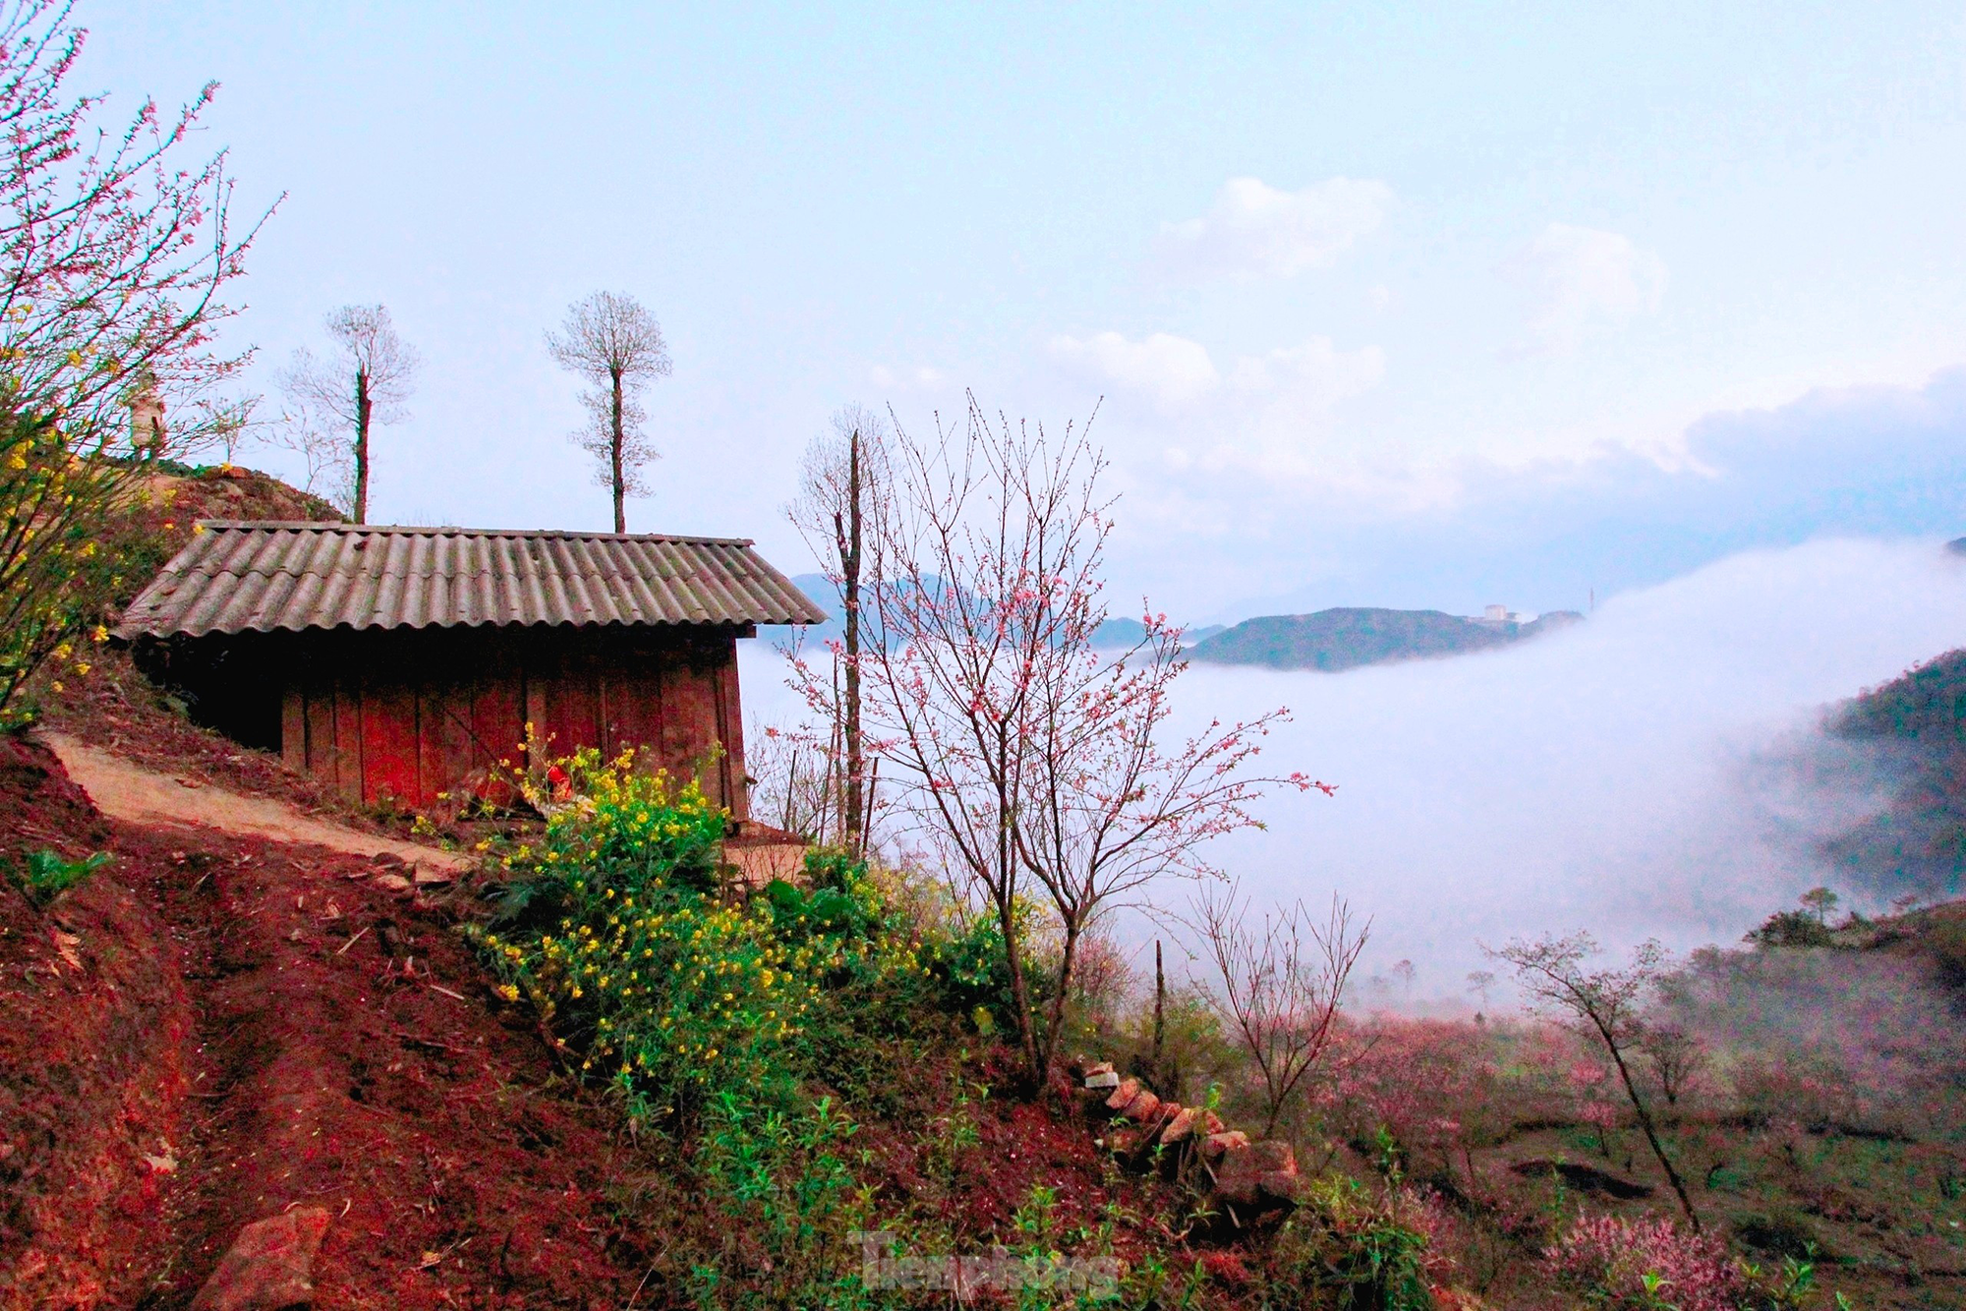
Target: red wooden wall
[{"x": 406, "y": 715}]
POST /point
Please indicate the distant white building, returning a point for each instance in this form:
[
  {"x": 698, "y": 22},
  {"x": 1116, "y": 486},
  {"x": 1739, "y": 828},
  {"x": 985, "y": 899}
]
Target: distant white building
[{"x": 1501, "y": 614}]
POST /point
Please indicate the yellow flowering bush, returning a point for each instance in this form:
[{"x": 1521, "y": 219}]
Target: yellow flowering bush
[
  {"x": 613, "y": 929},
  {"x": 54, "y": 508},
  {"x": 670, "y": 994},
  {"x": 613, "y": 824}
]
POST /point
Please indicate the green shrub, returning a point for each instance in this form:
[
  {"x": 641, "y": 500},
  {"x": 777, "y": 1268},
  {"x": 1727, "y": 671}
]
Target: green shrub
[
  {"x": 782, "y": 1177},
  {"x": 43, "y": 875},
  {"x": 613, "y": 927},
  {"x": 712, "y": 1013},
  {"x": 1349, "y": 1249},
  {"x": 615, "y": 936}
]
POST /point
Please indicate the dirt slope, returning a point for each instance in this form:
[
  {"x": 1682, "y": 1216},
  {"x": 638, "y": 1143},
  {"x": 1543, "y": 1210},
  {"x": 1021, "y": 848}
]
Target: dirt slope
[{"x": 215, "y": 1028}]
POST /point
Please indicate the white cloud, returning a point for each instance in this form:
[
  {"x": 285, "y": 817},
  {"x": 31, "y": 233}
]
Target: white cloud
[
  {"x": 1255, "y": 230},
  {"x": 1310, "y": 377},
  {"x": 1268, "y": 414},
  {"x": 1171, "y": 370},
  {"x": 1585, "y": 282}
]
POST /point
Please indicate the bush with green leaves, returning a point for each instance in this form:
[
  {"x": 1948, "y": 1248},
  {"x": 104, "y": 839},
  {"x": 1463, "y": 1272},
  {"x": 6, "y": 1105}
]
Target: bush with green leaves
[
  {"x": 1350, "y": 1248},
  {"x": 613, "y": 925}
]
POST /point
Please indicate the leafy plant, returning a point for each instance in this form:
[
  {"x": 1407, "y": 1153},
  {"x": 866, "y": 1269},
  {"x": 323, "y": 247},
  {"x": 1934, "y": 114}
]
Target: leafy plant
[
  {"x": 1349, "y": 1249},
  {"x": 44, "y": 875}
]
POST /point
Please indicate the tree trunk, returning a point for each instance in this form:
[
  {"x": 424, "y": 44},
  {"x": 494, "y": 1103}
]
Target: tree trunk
[
  {"x": 615, "y": 439},
  {"x": 1160, "y": 1019},
  {"x": 1020, "y": 995},
  {"x": 1651, "y": 1133},
  {"x": 364, "y": 408},
  {"x": 1055, "y": 1013},
  {"x": 855, "y": 825}
]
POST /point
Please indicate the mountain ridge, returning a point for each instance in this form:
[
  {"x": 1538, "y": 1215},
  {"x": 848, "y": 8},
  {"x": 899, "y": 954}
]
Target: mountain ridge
[{"x": 1348, "y": 637}]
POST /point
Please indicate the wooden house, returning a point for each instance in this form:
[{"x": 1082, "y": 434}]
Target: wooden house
[{"x": 398, "y": 664}]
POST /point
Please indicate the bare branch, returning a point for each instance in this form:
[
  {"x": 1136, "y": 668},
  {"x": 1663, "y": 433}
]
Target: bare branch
[{"x": 1279, "y": 986}]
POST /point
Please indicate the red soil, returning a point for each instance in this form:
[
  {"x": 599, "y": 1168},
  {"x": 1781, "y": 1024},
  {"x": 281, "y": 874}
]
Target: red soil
[{"x": 245, "y": 1026}]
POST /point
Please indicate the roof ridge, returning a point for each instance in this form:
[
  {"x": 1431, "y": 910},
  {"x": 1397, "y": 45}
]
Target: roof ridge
[{"x": 456, "y": 530}]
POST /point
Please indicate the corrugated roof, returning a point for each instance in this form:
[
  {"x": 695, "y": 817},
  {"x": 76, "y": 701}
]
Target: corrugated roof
[{"x": 235, "y": 576}]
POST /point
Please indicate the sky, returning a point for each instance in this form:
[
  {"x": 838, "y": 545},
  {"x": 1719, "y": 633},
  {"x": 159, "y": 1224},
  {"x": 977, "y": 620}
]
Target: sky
[{"x": 1429, "y": 306}]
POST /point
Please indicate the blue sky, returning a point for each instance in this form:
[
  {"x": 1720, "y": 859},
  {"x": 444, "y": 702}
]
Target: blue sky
[{"x": 1412, "y": 305}]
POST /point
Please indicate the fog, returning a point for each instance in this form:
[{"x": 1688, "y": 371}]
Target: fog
[{"x": 1647, "y": 773}]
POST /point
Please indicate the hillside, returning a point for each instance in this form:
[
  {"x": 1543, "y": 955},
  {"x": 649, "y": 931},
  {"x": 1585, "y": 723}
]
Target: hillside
[
  {"x": 1912, "y": 731},
  {"x": 1347, "y": 637},
  {"x": 592, "y": 1069}
]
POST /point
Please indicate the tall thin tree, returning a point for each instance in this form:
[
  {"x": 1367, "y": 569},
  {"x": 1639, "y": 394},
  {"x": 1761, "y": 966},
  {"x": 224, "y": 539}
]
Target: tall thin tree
[
  {"x": 366, "y": 383},
  {"x": 616, "y": 345},
  {"x": 1605, "y": 1004},
  {"x": 842, "y": 487}
]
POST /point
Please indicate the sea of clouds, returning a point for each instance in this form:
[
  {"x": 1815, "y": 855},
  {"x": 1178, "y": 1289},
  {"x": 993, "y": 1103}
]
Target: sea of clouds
[{"x": 1655, "y": 771}]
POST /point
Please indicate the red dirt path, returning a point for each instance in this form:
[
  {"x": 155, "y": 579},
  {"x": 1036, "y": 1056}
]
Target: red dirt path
[{"x": 246, "y": 1025}]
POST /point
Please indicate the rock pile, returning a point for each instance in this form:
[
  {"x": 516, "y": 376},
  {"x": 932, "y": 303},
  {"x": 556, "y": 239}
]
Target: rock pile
[{"x": 1248, "y": 1181}]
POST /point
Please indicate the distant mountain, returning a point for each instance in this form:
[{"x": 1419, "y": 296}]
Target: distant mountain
[
  {"x": 1348, "y": 637},
  {"x": 1113, "y": 635},
  {"x": 1123, "y": 634}
]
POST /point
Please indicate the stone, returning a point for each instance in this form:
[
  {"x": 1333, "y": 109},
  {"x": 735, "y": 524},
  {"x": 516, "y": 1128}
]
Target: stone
[
  {"x": 269, "y": 1266},
  {"x": 1273, "y": 1154},
  {"x": 1095, "y": 1071},
  {"x": 391, "y": 882},
  {"x": 1102, "y": 1079},
  {"x": 1236, "y": 1175},
  {"x": 1219, "y": 1142},
  {"x": 1252, "y": 1171},
  {"x": 1214, "y": 1123},
  {"x": 1124, "y": 1093},
  {"x": 1144, "y": 1106},
  {"x": 1181, "y": 1126},
  {"x": 425, "y": 875}
]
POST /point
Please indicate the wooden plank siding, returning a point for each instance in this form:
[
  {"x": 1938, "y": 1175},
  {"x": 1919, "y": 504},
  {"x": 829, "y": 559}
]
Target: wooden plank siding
[{"x": 405, "y": 716}]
